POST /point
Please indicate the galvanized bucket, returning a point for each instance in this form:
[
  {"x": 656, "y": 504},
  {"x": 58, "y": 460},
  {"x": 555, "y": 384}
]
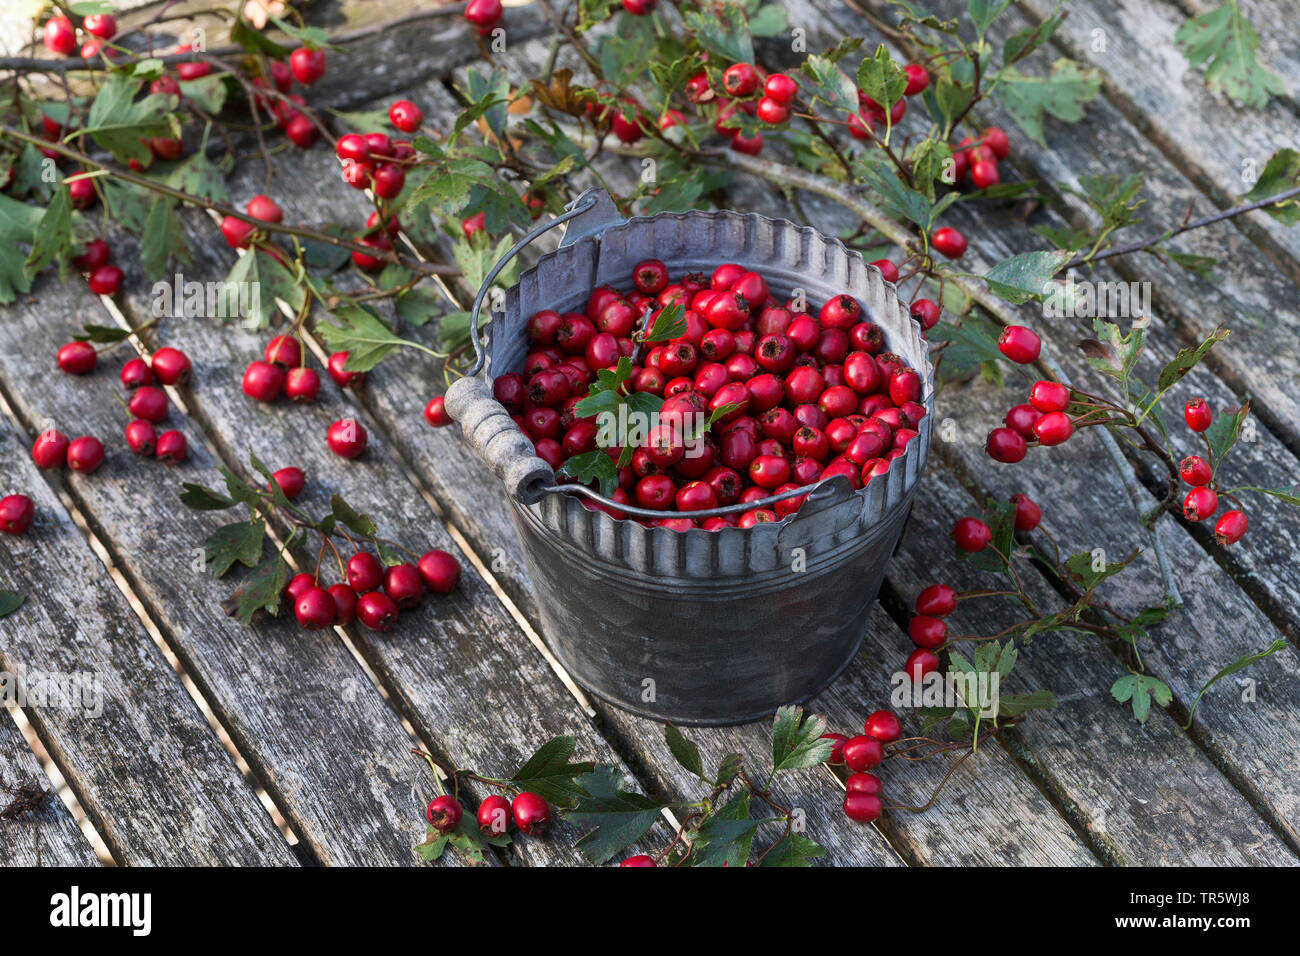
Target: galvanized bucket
[{"x": 696, "y": 627}]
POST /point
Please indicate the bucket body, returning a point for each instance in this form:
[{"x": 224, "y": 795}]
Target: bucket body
[{"x": 712, "y": 627}]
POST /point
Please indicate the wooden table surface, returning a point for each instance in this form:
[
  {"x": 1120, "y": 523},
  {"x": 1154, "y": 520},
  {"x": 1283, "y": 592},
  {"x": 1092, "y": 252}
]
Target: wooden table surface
[{"x": 219, "y": 744}]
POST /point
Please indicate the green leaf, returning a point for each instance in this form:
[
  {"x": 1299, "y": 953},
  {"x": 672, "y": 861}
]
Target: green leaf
[
  {"x": 1240, "y": 664},
  {"x": 470, "y": 840},
  {"x": 1278, "y": 493},
  {"x": 669, "y": 324},
  {"x": 683, "y": 750},
  {"x": 52, "y": 234},
  {"x": 118, "y": 121},
  {"x": 727, "y": 836},
  {"x": 252, "y": 287},
  {"x": 1080, "y": 568},
  {"x": 768, "y": 21},
  {"x": 972, "y": 343},
  {"x": 313, "y": 37},
  {"x": 881, "y": 78},
  {"x": 417, "y": 306},
  {"x": 1025, "y": 276},
  {"x": 262, "y": 591},
  {"x": 1013, "y": 705},
  {"x": 1187, "y": 359},
  {"x": 829, "y": 84},
  {"x": 1223, "y": 432},
  {"x": 1139, "y": 690},
  {"x": 243, "y": 34},
  {"x": 797, "y": 742},
  {"x": 550, "y": 774},
  {"x": 162, "y": 238},
  {"x": 199, "y": 176},
  {"x": 351, "y": 519},
  {"x": 10, "y": 601},
  {"x": 1020, "y": 45},
  {"x": 984, "y": 12},
  {"x": 240, "y": 541},
  {"x": 618, "y": 817},
  {"x": 1280, "y": 173},
  {"x": 592, "y": 466},
  {"x": 792, "y": 850},
  {"x": 363, "y": 334},
  {"x": 1062, "y": 94},
  {"x": 728, "y": 769},
  {"x": 1225, "y": 43},
  {"x": 208, "y": 93},
  {"x": 434, "y": 845},
  {"x": 722, "y": 30},
  {"x": 201, "y": 499}
]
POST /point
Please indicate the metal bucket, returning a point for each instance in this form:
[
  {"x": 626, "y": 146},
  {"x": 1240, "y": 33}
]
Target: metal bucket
[{"x": 696, "y": 627}]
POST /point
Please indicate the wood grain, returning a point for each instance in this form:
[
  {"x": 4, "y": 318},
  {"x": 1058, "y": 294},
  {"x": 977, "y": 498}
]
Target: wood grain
[{"x": 47, "y": 837}]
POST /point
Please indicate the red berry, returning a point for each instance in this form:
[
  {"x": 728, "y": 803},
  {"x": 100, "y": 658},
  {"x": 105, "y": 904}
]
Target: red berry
[
  {"x": 862, "y": 807},
  {"x": 887, "y": 269},
  {"x": 95, "y": 254},
  {"x": 781, "y": 88},
  {"x": 136, "y": 372},
  {"x": 347, "y": 438},
  {"x": 265, "y": 208},
  {"x": 141, "y": 437},
  {"x": 1022, "y": 418},
  {"x": 772, "y": 111},
  {"x": 237, "y": 232},
  {"x": 484, "y": 14},
  {"x": 149, "y": 402},
  {"x": 1028, "y": 514},
  {"x": 440, "y": 571},
  {"x": 16, "y": 513},
  {"x": 1006, "y": 445},
  {"x": 494, "y": 815},
  {"x": 285, "y": 351},
  {"x": 59, "y": 36},
  {"x": 1053, "y": 428},
  {"x": 377, "y": 611},
  {"x": 339, "y": 372},
  {"x": 1230, "y": 527},
  {"x": 996, "y": 140},
  {"x": 919, "y": 663},
  {"x": 841, "y": 312},
  {"x": 302, "y": 132},
  {"x": 435, "y": 413},
  {"x": 971, "y": 534},
  {"x": 77, "y": 358},
  {"x": 81, "y": 192},
  {"x": 172, "y": 447},
  {"x": 740, "y": 79},
  {"x": 298, "y": 585},
  {"x": 106, "y": 280},
  {"x": 1049, "y": 396},
  {"x": 1020, "y": 344},
  {"x": 769, "y": 471},
  {"x": 291, "y": 481},
  {"x": 640, "y": 859},
  {"x": 926, "y": 313},
  {"x": 474, "y": 224},
  {"x": 949, "y": 243},
  {"x": 444, "y": 813},
  {"x": 50, "y": 450},
  {"x": 937, "y": 600},
  {"x": 867, "y": 783},
  {"x": 884, "y": 726},
  {"x": 1198, "y": 415},
  {"x": 315, "y": 609},
  {"x": 85, "y": 454},
  {"x": 263, "y": 381},
  {"x": 905, "y": 386},
  {"x": 406, "y": 116},
  {"x": 1196, "y": 470},
  {"x": 366, "y": 261},
  {"x": 389, "y": 180},
  {"x": 403, "y": 584},
  {"x": 837, "y": 748},
  {"x": 863, "y": 753},
  {"x": 917, "y": 79},
  {"x": 749, "y": 145},
  {"x": 352, "y": 148},
  {"x": 530, "y": 812},
  {"x": 345, "y": 604},
  {"x": 364, "y": 571},
  {"x": 171, "y": 366},
  {"x": 984, "y": 174},
  {"x": 307, "y": 65},
  {"x": 928, "y": 632},
  {"x": 301, "y": 384},
  {"x": 1199, "y": 504}
]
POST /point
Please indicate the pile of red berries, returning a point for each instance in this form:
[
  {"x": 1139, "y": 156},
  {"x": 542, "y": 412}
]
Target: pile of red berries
[
  {"x": 103, "y": 278},
  {"x": 60, "y": 36},
  {"x": 530, "y": 813},
  {"x": 1203, "y": 500},
  {"x": 147, "y": 406},
  {"x": 860, "y": 755},
  {"x": 373, "y": 594},
  {"x": 799, "y": 397}
]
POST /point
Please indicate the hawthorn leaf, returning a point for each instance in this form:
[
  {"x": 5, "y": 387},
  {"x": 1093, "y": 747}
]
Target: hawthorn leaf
[
  {"x": 1226, "y": 45},
  {"x": 797, "y": 742},
  {"x": 617, "y": 817},
  {"x": 1062, "y": 94},
  {"x": 239, "y": 541},
  {"x": 684, "y": 751},
  {"x": 551, "y": 775},
  {"x": 1025, "y": 276}
]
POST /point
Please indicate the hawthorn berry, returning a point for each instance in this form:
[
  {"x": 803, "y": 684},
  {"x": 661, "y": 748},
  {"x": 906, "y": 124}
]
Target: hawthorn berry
[
  {"x": 484, "y": 14},
  {"x": 862, "y": 807},
  {"x": 301, "y": 384},
  {"x": 772, "y": 111},
  {"x": 530, "y": 812},
  {"x": 347, "y": 438},
  {"x": 1230, "y": 527},
  {"x": 95, "y": 254},
  {"x": 291, "y": 481},
  {"x": 440, "y": 571},
  {"x": 369, "y": 263},
  {"x": 928, "y": 632},
  {"x": 237, "y": 232},
  {"x": 984, "y": 174},
  {"x": 263, "y": 381},
  {"x": 149, "y": 402},
  {"x": 81, "y": 192},
  {"x": 285, "y": 351},
  {"x": 77, "y": 358},
  {"x": 59, "y": 36},
  {"x": 1020, "y": 344},
  {"x": 16, "y": 513},
  {"x": 141, "y": 437},
  {"x": 106, "y": 280},
  {"x": 50, "y": 450},
  {"x": 494, "y": 815},
  {"x": 862, "y": 753},
  {"x": 343, "y": 378},
  {"x": 389, "y": 180},
  {"x": 1049, "y": 396},
  {"x": 172, "y": 448},
  {"x": 740, "y": 79},
  {"x": 697, "y": 88},
  {"x": 749, "y": 145},
  {"x": 265, "y": 208},
  {"x": 919, "y": 663},
  {"x": 884, "y": 726},
  {"x": 926, "y": 313},
  {"x": 364, "y": 571},
  {"x": 1198, "y": 415},
  {"x": 171, "y": 366},
  {"x": 781, "y": 88},
  {"x": 435, "y": 412},
  {"x": 352, "y": 148},
  {"x": 1053, "y": 428},
  {"x": 345, "y": 604},
  {"x": 1022, "y": 418},
  {"x": 949, "y": 243},
  {"x": 837, "y": 748},
  {"x": 917, "y": 79},
  {"x": 444, "y": 813},
  {"x": 403, "y": 583},
  {"x": 376, "y": 610},
  {"x": 315, "y": 609},
  {"x": 864, "y": 782},
  {"x": 405, "y": 116},
  {"x": 640, "y": 859},
  {"x": 996, "y": 139},
  {"x": 1195, "y": 470},
  {"x": 937, "y": 600},
  {"x": 302, "y": 132},
  {"x": 307, "y": 65},
  {"x": 298, "y": 585},
  {"x": 1006, "y": 445},
  {"x": 85, "y": 454},
  {"x": 1028, "y": 514},
  {"x": 1200, "y": 504},
  {"x": 971, "y": 534},
  {"x": 887, "y": 269}
]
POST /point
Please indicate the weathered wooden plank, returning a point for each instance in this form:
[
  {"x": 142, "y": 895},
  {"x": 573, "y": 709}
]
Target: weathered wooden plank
[
  {"x": 454, "y": 666},
  {"x": 155, "y": 781},
  {"x": 48, "y": 836}
]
